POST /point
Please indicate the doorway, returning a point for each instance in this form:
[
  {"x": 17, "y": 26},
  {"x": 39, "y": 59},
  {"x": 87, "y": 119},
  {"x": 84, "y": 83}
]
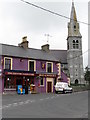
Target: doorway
[
  {"x": 49, "y": 87},
  {"x": 19, "y": 82}
]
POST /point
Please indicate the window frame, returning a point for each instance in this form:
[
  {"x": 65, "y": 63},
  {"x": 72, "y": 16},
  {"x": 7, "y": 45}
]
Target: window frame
[
  {"x": 29, "y": 64},
  {"x": 10, "y": 64},
  {"x": 51, "y": 67},
  {"x": 75, "y": 44}
]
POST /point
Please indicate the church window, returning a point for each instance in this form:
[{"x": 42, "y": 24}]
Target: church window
[
  {"x": 75, "y": 44},
  {"x": 74, "y": 26},
  {"x": 68, "y": 46}
]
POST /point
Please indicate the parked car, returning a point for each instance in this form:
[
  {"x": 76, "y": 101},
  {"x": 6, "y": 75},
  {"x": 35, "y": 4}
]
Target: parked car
[{"x": 62, "y": 87}]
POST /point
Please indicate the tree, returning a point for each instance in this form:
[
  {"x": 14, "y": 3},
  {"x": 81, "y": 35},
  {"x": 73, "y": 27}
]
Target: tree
[{"x": 87, "y": 75}]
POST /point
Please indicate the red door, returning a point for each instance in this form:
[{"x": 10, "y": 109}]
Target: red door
[{"x": 49, "y": 87}]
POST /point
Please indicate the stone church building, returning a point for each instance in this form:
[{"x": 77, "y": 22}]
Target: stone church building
[{"x": 74, "y": 49}]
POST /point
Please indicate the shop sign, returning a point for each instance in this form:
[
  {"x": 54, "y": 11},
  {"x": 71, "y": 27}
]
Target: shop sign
[
  {"x": 14, "y": 73},
  {"x": 46, "y": 75}
]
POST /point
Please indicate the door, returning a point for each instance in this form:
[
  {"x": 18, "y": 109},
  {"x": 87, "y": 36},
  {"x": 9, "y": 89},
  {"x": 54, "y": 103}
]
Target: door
[
  {"x": 19, "y": 82},
  {"x": 49, "y": 87}
]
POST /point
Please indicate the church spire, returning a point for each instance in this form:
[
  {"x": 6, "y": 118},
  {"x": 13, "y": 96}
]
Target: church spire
[
  {"x": 73, "y": 13},
  {"x": 73, "y": 25}
]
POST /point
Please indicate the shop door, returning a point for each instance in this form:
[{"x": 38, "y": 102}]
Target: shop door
[
  {"x": 19, "y": 82},
  {"x": 49, "y": 87}
]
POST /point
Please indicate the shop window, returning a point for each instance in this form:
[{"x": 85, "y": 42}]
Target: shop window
[
  {"x": 31, "y": 65},
  {"x": 42, "y": 81},
  {"x": 8, "y": 63},
  {"x": 9, "y": 83},
  {"x": 49, "y": 67},
  {"x": 31, "y": 80}
]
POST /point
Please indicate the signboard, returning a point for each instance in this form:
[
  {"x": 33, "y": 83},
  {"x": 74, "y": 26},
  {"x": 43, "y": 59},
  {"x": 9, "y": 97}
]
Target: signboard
[{"x": 15, "y": 73}]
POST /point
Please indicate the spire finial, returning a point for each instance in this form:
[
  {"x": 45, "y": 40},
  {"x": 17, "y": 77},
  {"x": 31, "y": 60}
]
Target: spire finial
[{"x": 72, "y": 2}]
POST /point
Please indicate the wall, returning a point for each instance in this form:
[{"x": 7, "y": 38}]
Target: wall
[
  {"x": 64, "y": 77},
  {"x": 0, "y": 74},
  {"x": 20, "y": 64}
]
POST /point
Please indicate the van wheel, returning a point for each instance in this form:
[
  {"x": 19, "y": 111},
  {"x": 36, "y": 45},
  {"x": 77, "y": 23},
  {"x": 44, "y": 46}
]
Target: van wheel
[
  {"x": 64, "y": 92},
  {"x": 56, "y": 92}
]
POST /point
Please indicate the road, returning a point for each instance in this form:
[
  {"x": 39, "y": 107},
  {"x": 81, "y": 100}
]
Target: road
[{"x": 48, "y": 105}]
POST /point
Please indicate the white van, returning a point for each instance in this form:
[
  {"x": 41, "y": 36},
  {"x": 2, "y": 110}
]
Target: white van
[{"x": 62, "y": 87}]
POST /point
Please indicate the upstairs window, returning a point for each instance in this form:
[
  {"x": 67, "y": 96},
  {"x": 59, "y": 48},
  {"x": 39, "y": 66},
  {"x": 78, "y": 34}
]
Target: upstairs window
[
  {"x": 8, "y": 63},
  {"x": 31, "y": 65},
  {"x": 75, "y": 44},
  {"x": 49, "y": 67}
]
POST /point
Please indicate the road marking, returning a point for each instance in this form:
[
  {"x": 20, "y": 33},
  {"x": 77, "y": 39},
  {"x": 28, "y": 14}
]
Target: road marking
[
  {"x": 47, "y": 98},
  {"x": 27, "y": 101},
  {"x": 32, "y": 101},
  {"x": 5, "y": 106},
  {"x": 41, "y": 99},
  {"x": 20, "y": 103},
  {"x": 15, "y": 104}
]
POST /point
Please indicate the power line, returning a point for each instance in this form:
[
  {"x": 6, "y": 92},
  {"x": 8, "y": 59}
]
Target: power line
[
  {"x": 47, "y": 10},
  {"x": 79, "y": 55}
]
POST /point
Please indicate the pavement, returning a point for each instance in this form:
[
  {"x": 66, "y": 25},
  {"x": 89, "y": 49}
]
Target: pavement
[{"x": 44, "y": 105}]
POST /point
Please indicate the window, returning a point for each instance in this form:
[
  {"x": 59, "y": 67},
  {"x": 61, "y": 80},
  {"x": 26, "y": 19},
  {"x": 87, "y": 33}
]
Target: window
[
  {"x": 42, "y": 81},
  {"x": 49, "y": 67},
  {"x": 68, "y": 46},
  {"x": 74, "y": 27},
  {"x": 31, "y": 65},
  {"x": 8, "y": 82},
  {"x": 8, "y": 63},
  {"x": 75, "y": 44}
]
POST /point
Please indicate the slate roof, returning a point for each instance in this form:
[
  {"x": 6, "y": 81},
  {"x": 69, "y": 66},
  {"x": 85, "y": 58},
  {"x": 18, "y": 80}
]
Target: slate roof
[
  {"x": 16, "y": 51},
  {"x": 61, "y": 55}
]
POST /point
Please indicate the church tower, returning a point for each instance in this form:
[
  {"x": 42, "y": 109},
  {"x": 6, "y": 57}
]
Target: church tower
[{"x": 74, "y": 50}]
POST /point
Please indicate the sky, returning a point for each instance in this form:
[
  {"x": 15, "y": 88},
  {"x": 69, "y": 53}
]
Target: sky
[{"x": 18, "y": 19}]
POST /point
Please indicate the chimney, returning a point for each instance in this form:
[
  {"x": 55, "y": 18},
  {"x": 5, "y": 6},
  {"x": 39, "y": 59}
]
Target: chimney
[
  {"x": 24, "y": 42},
  {"x": 45, "y": 48}
]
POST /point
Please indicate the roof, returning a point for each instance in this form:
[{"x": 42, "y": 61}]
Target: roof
[
  {"x": 61, "y": 55},
  {"x": 16, "y": 51}
]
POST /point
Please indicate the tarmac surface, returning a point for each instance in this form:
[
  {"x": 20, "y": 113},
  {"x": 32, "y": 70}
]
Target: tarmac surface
[{"x": 44, "y": 105}]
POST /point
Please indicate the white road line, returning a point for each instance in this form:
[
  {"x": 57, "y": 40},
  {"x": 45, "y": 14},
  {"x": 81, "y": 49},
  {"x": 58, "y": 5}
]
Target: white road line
[
  {"x": 32, "y": 101},
  {"x": 5, "y": 106},
  {"x": 26, "y": 102},
  {"x": 47, "y": 98},
  {"x": 20, "y": 103},
  {"x": 15, "y": 104},
  {"x": 41, "y": 99}
]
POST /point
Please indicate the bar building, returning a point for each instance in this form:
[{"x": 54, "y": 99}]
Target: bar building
[{"x": 21, "y": 65}]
